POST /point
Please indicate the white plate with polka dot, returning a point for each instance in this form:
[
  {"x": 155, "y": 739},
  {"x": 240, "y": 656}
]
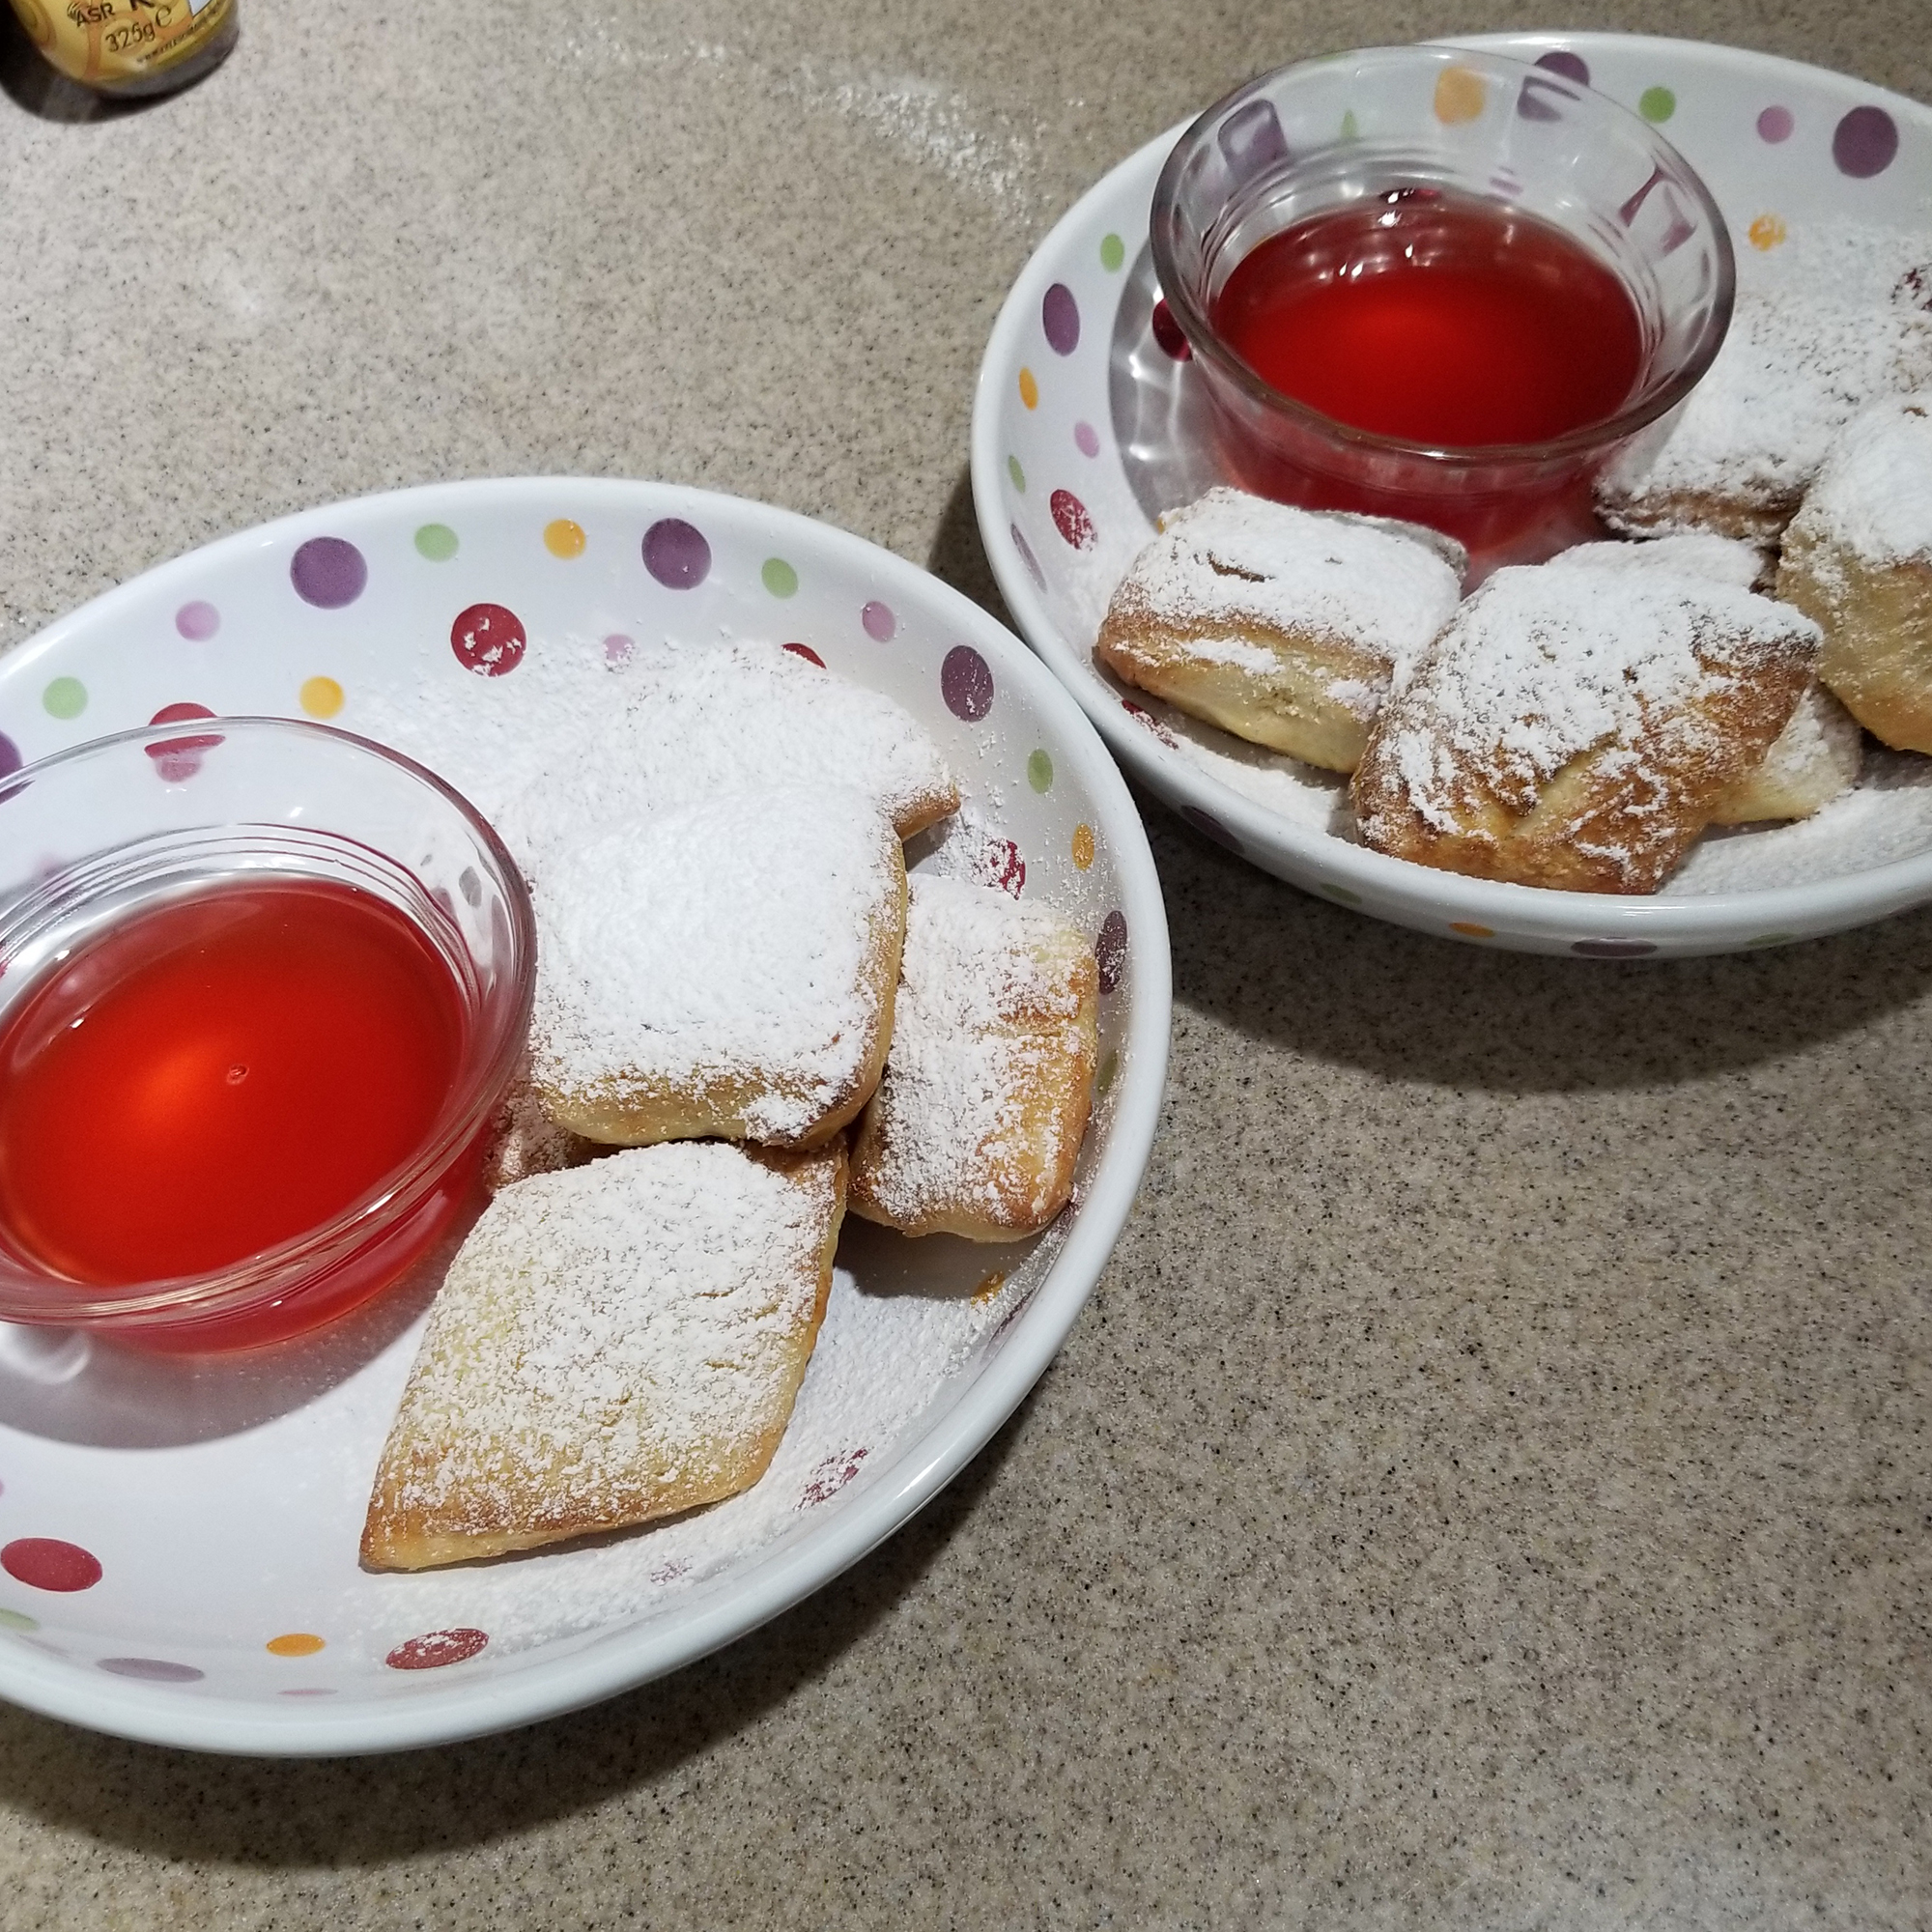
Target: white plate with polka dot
[
  {"x": 178, "y": 1541},
  {"x": 1089, "y": 423}
]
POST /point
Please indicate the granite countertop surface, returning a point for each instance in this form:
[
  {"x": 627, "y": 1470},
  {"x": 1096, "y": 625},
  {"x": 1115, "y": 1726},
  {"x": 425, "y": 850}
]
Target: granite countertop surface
[{"x": 1491, "y": 1485}]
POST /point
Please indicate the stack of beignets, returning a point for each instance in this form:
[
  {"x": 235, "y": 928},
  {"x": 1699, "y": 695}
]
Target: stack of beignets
[{"x": 722, "y": 911}]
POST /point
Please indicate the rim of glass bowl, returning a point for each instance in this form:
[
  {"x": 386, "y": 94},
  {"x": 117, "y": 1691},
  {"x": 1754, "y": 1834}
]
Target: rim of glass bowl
[
  {"x": 482, "y": 1084},
  {"x": 1605, "y": 432}
]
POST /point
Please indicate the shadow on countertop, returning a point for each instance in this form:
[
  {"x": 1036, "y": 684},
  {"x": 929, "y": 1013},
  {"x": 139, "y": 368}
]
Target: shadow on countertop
[
  {"x": 357, "y": 1814},
  {"x": 1295, "y": 972}
]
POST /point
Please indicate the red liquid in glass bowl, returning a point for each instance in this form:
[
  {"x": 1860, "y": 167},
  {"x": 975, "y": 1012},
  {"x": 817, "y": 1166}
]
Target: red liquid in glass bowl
[{"x": 1436, "y": 317}]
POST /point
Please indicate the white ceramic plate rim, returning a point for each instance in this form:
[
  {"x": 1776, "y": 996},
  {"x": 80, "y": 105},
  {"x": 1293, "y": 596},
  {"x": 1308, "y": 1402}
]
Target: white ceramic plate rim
[
  {"x": 1306, "y": 856},
  {"x": 744, "y": 1598}
]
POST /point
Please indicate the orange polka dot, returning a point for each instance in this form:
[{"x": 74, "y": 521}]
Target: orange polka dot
[
  {"x": 1469, "y": 931},
  {"x": 294, "y": 1644},
  {"x": 1766, "y": 233},
  {"x": 1460, "y": 95},
  {"x": 1029, "y": 389},
  {"x": 1083, "y": 846},
  {"x": 563, "y": 538},
  {"x": 321, "y": 696}
]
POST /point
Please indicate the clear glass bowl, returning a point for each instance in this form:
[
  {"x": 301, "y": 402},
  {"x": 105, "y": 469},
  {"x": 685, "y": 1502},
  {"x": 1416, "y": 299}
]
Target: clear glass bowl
[
  {"x": 1327, "y": 133},
  {"x": 128, "y": 822}
]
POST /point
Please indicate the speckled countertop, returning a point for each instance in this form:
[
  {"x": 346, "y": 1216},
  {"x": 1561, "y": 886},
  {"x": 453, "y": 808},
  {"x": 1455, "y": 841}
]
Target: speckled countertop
[{"x": 1491, "y": 1487}]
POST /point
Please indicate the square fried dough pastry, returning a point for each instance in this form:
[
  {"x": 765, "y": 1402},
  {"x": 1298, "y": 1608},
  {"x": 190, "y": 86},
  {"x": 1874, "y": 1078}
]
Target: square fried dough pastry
[
  {"x": 1859, "y": 558},
  {"x": 1280, "y": 625},
  {"x": 725, "y": 967},
  {"x": 1829, "y": 320},
  {"x": 978, "y": 1121},
  {"x": 1574, "y": 727},
  {"x": 613, "y": 1344},
  {"x": 1817, "y": 756},
  {"x": 696, "y": 720}
]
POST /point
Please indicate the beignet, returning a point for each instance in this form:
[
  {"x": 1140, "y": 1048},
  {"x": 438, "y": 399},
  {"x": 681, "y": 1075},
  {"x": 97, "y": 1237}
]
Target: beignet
[
  {"x": 1859, "y": 558},
  {"x": 1280, "y": 625},
  {"x": 1574, "y": 727},
  {"x": 613, "y": 1344},
  {"x": 978, "y": 1121}
]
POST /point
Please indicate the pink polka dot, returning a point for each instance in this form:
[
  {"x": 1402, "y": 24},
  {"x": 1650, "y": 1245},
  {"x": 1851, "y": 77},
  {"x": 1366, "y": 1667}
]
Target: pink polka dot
[
  {"x": 1087, "y": 439},
  {"x": 488, "y": 640},
  {"x": 435, "y": 1649},
  {"x": 879, "y": 621},
  {"x": 618, "y": 649},
  {"x": 1775, "y": 124},
  {"x": 806, "y": 652},
  {"x": 197, "y": 621},
  {"x": 46, "y": 1563},
  {"x": 153, "y": 1669},
  {"x": 1071, "y": 521}
]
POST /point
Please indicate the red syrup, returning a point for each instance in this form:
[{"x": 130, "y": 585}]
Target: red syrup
[
  {"x": 220, "y": 1074},
  {"x": 1441, "y": 318}
]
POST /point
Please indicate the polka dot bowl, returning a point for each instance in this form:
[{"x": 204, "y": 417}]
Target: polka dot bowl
[
  {"x": 1091, "y": 420},
  {"x": 178, "y": 1537}
]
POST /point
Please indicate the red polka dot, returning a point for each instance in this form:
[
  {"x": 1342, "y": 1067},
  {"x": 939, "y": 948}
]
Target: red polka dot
[
  {"x": 178, "y": 759},
  {"x": 46, "y": 1563},
  {"x": 435, "y": 1648},
  {"x": 1167, "y": 332},
  {"x": 488, "y": 640},
  {"x": 1070, "y": 519},
  {"x": 806, "y": 652}
]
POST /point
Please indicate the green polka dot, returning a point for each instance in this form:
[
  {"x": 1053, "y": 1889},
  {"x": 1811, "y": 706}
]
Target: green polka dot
[
  {"x": 1343, "y": 894},
  {"x": 65, "y": 698},
  {"x": 781, "y": 578},
  {"x": 1656, "y": 103},
  {"x": 1039, "y": 771},
  {"x": 1350, "y": 130},
  {"x": 1019, "y": 474},
  {"x": 17, "y": 1620},
  {"x": 436, "y": 542},
  {"x": 1113, "y": 252},
  {"x": 1109, "y": 1067}
]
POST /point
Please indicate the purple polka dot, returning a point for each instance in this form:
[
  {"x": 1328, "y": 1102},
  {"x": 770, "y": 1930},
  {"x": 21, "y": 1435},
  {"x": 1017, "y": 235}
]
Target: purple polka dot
[
  {"x": 155, "y": 1669},
  {"x": 1612, "y": 949},
  {"x": 1571, "y": 67},
  {"x": 1207, "y": 822},
  {"x": 677, "y": 553},
  {"x": 1110, "y": 950},
  {"x": 966, "y": 683},
  {"x": 307, "y": 1691},
  {"x": 1539, "y": 99},
  {"x": 879, "y": 621},
  {"x": 618, "y": 649},
  {"x": 328, "y": 571},
  {"x": 1864, "y": 142},
  {"x": 1775, "y": 124},
  {"x": 1027, "y": 557},
  {"x": 1071, "y": 519},
  {"x": 1086, "y": 439},
  {"x": 1060, "y": 317},
  {"x": 9, "y": 756},
  {"x": 197, "y": 621}
]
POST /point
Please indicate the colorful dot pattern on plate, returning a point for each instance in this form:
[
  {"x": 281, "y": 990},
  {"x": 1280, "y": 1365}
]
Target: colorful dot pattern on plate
[{"x": 335, "y": 614}]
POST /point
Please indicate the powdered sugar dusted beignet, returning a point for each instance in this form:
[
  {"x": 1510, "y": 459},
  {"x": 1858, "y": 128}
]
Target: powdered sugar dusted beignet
[
  {"x": 723, "y": 967},
  {"x": 1279, "y": 625},
  {"x": 1817, "y": 755},
  {"x": 1859, "y": 558},
  {"x": 1830, "y": 320},
  {"x": 612, "y": 1345},
  {"x": 978, "y": 1121},
  {"x": 1576, "y": 727},
  {"x": 524, "y": 1140},
  {"x": 696, "y": 720}
]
